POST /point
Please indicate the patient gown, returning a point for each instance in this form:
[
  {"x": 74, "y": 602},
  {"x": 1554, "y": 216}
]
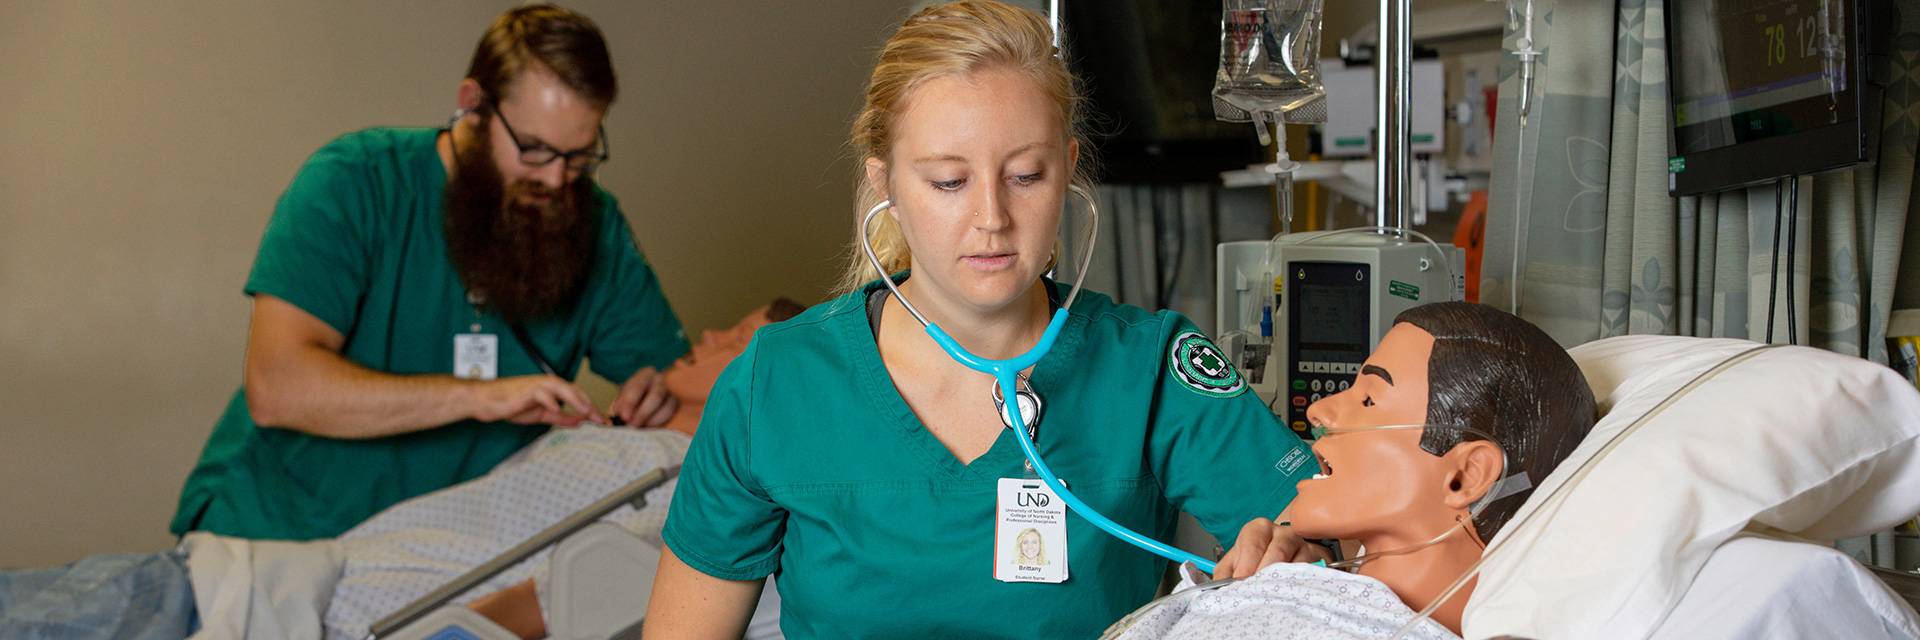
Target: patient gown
[{"x": 1287, "y": 601}]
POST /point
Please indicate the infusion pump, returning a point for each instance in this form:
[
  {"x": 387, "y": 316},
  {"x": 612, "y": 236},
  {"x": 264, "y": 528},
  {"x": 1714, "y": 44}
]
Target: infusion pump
[{"x": 1299, "y": 327}]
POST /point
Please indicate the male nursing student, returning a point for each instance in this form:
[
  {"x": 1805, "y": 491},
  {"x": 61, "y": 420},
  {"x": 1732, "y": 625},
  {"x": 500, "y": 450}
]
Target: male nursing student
[
  {"x": 845, "y": 452},
  {"x": 422, "y": 297}
]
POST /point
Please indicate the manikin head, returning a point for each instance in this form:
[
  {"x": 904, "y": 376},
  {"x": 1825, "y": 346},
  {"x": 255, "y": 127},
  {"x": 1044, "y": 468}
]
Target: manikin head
[
  {"x": 1451, "y": 363},
  {"x": 691, "y": 378}
]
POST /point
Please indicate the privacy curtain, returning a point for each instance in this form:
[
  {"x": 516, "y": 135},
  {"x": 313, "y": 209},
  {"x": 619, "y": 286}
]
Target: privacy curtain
[{"x": 1579, "y": 204}]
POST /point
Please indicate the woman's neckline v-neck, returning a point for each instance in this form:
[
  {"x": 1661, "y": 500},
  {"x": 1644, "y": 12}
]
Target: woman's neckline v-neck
[{"x": 1003, "y": 457}]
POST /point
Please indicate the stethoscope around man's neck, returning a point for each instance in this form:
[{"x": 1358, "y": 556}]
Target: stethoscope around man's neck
[{"x": 1007, "y": 374}]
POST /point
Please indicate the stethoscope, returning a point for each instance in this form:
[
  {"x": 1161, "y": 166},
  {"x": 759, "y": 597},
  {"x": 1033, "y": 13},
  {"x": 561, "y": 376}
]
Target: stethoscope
[{"x": 1009, "y": 382}]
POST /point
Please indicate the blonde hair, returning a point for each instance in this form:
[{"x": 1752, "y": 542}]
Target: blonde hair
[{"x": 942, "y": 40}]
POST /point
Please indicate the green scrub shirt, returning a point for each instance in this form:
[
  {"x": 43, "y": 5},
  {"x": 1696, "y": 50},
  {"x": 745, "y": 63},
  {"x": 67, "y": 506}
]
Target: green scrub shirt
[
  {"x": 357, "y": 240},
  {"x": 808, "y": 464}
]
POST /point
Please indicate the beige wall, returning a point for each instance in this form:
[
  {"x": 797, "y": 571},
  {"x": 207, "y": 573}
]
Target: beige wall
[{"x": 142, "y": 146}]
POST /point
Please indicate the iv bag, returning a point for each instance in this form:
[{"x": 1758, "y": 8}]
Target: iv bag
[{"x": 1270, "y": 61}]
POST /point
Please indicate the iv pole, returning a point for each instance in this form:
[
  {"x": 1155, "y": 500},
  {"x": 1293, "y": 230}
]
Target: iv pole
[{"x": 1392, "y": 117}]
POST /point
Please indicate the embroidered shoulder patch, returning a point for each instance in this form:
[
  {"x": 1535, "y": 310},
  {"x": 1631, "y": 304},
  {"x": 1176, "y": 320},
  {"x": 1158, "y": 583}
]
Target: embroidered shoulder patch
[{"x": 1203, "y": 367}]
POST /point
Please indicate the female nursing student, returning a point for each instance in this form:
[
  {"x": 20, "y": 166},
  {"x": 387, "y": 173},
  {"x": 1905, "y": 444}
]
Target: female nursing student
[{"x": 845, "y": 452}]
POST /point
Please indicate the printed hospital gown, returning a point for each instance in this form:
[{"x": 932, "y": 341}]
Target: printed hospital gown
[
  {"x": 1287, "y": 601},
  {"x": 418, "y": 545}
]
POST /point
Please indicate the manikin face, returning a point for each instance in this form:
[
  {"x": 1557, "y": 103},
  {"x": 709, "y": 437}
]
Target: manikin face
[
  {"x": 691, "y": 377},
  {"x": 978, "y": 170},
  {"x": 1371, "y": 481}
]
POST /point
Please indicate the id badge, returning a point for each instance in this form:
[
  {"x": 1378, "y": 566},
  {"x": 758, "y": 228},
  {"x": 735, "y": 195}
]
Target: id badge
[
  {"x": 1030, "y": 533},
  {"x": 476, "y": 356}
]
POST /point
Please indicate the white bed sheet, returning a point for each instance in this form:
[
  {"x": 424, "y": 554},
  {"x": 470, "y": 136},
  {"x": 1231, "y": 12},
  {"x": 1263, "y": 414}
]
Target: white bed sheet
[{"x": 1760, "y": 587}]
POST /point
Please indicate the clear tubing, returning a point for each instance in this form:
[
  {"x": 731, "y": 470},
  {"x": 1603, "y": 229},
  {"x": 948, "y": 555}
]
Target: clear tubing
[
  {"x": 1282, "y": 169},
  {"x": 1523, "y": 50},
  {"x": 1519, "y": 221}
]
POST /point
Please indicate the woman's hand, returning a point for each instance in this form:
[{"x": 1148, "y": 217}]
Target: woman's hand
[{"x": 1263, "y": 542}]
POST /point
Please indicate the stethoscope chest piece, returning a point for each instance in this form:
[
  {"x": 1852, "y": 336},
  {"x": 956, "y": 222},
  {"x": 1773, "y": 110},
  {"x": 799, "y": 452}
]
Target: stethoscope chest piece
[{"x": 1030, "y": 405}]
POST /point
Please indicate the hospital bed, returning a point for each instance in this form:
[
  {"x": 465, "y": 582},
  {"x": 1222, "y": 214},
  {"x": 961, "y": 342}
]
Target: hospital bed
[
  {"x": 564, "y": 514},
  {"x": 601, "y": 577},
  {"x": 1702, "y": 548},
  {"x": 1713, "y": 520},
  {"x": 1905, "y": 585}
]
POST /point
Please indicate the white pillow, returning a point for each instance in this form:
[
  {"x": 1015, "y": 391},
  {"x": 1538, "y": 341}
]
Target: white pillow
[
  {"x": 1759, "y": 587},
  {"x": 1802, "y": 440}
]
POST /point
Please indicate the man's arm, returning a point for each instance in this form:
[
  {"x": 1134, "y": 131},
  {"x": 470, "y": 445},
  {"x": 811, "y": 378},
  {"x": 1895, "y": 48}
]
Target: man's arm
[{"x": 297, "y": 379}]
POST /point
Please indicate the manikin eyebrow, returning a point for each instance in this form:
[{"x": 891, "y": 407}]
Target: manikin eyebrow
[{"x": 1370, "y": 369}]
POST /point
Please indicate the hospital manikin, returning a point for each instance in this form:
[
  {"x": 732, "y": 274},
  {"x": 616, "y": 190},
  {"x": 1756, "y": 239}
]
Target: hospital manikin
[
  {"x": 691, "y": 377},
  {"x": 1451, "y": 421}
]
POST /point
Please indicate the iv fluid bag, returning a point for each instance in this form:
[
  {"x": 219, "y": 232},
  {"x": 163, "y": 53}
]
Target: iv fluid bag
[{"x": 1270, "y": 61}]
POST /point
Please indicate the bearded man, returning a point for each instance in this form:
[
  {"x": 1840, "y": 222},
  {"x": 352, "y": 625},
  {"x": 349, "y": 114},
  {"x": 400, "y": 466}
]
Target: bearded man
[{"x": 423, "y": 298}]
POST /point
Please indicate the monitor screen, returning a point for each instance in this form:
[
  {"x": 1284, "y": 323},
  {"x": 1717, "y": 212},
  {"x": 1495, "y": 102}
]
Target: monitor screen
[
  {"x": 1334, "y": 315},
  {"x": 1748, "y": 70},
  {"x": 1331, "y": 313},
  {"x": 1148, "y": 68}
]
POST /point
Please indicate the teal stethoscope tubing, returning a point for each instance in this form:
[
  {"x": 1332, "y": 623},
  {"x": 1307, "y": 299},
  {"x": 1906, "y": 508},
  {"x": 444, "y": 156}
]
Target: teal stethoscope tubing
[{"x": 1005, "y": 371}]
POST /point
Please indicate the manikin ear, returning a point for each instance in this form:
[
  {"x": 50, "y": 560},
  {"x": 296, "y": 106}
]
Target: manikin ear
[
  {"x": 1473, "y": 467},
  {"x": 877, "y": 179}
]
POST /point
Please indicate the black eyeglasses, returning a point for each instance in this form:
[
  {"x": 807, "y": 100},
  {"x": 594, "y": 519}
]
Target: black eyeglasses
[{"x": 539, "y": 155}]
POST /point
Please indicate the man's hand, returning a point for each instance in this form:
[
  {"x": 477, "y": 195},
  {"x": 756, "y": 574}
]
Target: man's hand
[
  {"x": 535, "y": 399},
  {"x": 1263, "y": 542},
  {"x": 644, "y": 401}
]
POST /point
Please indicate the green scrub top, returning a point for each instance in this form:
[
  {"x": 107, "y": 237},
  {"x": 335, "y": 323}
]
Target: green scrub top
[
  {"x": 808, "y": 465},
  {"x": 357, "y": 240}
]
